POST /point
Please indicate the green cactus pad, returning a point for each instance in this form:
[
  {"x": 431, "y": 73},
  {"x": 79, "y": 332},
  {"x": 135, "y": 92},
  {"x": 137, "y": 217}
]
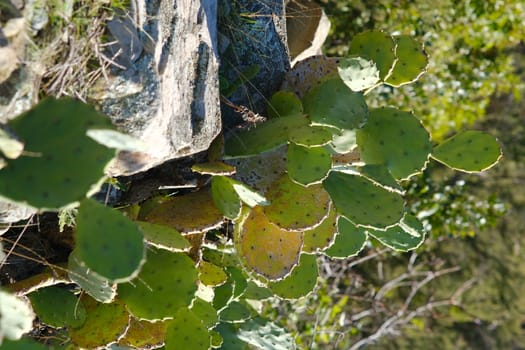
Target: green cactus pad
[
  {"x": 350, "y": 240},
  {"x": 108, "y": 242},
  {"x": 220, "y": 257},
  {"x": 333, "y": 104},
  {"x": 10, "y": 146},
  {"x": 247, "y": 195},
  {"x": 98, "y": 287},
  {"x": 283, "y": 104},
  {"x": 167, "y": 282},
  {"x": 191, "y": 213},
  {"x": 262, "y": 334},
  {"x": 66, "y": 164},
  {"x": 235, "y": 312},
  {"x": 380, "y": 174},
  {"x": 362, "y": 201},
  {"x": 358, "y": 73},
  {"x": 295, "y": 207},
  {"x": 213, "y": 168},
  {"x": 307, "y": 165},
  {"x": 222, "y": 296},
  {"x": 310, "y": 136},
  {"x": 57, "y": 307},
  {"x": 16, "y": 316},
  {"x": 164, "y": 237},
  {"x": 23, "y": 344},
  {"x": 344, "y": 141},
  {"x": 322, "y": 236},
  {"x": 205, "y": 312},
  {"x": 396, "y": 139},
  {"x": 230, "y": 341},
  {"x": 309, "y": 73},
  {"x": 300, "y": 282},
  {"x": 265, "y": 137},
  {"x": 407, "y": 235},
  {"x": 239, "y": 281},
  {"x": 255, "y": 292},
  {"x": 186, "y": 331},
  {"x": 469, "y": 151},
  {"x": 267, "y": 249},
  {"x": 412, "y": 61},
  {"x": 210, "y": 274},
  {"x": 216, "y": 339},
  {"x": 105, "y": 324},
  {"x": 143, "y": 334},
  {"x": 225, "y": 197},
  {"x": 377, "y": 46}
]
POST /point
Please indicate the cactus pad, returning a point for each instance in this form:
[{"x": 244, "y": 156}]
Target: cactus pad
[
  {"x": 407, "y": 235},
  {"x": 225, "y": 197},
  {"x": 58, "y": 307},
  {"x": 96, "y": 286},
  {"x": 380, "y": 175},
  {"x": 143, "y": 334},
  {"x": 350, "y": 240},
  {"x": 239, "y": 281},
  {"x": 307, "y": 165},
  {"x": 108, "y": 242},
  {"x": 255, "y": 292},
  {"x": 309, "y": 73},
  {"x": 300, "y": 282},
  {"x": 411, "y": 63},
  {"x": 265, "y": 137},
  {"x": 66, "y": 163},
  {"x": 358, "y": 73},
  {"x": 205, "y": 312},
  {"x": 344, "y": 141},
  {"x": 213, "y": 168},
  {"x": 362, "y": 201},
  {"x": 16, "y": 316},
  {"x": 322, "y": 236},
  {"x": 164, "y": 237},
  {"x": 377, "y": 46},
  {"x": 105, "y": 324},
  {"x": 191, "y": 213},
  {"x": 210, "y": 274},
  {"x": 262, "y": 334},
  {"x": 186, "y": 331},
  {"x": 396, "y": 139},
  {"x": 235, "y": 312},
  {"x": 265, "y": 248},
  {"x": 310, "y": 136},
  {"x": 294, "y": 207},
  {"x": 333, "y": 104},
  {"x": 10, "y": 146},
  {"x": 222, "y": 296},
  {"x": 167, "y": 282},
  {"x": 284, "y": 103},
  {"x": 469, "y": 151}
]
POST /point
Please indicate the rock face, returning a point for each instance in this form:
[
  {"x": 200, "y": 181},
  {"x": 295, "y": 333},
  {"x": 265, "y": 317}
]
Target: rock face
[{"x": 168, "y": 93}]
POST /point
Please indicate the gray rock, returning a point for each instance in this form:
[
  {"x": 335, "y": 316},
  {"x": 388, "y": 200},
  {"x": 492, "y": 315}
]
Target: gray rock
[{"x": 169, "y": 95}]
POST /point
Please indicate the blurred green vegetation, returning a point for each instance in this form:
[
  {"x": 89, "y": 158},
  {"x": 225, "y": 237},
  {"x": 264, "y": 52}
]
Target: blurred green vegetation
[{"x": 463, "y": 288}]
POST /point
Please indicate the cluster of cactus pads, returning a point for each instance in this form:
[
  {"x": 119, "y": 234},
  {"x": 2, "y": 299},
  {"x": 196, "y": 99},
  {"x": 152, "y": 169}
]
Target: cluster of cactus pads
[{"x": 322, "y": 176}]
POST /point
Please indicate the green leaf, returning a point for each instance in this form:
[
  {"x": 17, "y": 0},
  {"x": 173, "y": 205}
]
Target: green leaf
[
  {"x": 108, "y": 242},
  {"x": 469, "y": 151},
  {"x": 300, "y": 282},
  {"x": 58, "y": 307},
  {"x": 350, "y": 240}
]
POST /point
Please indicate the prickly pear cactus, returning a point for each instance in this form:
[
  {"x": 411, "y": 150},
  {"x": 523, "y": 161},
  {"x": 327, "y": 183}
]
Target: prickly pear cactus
[
  {"x": 469, "y": 151},
  {"x": 142, "y": 334},
  {"x": 57, "y": 307},
  {"x": 377, "y": 46},
  {"x": 407, "y": 235},
  {"x": 16, "y": 317},
  {"x": 300, "y": 282},
  {"x": 350, "y": 240},
  {"x": 321, "y": 237},
  {"x": 307, "y": 165},
  {"x": 412, "y": 61},
  {"x": 186, "y": 331},
  {"x": 64, "y": 163},
  {"x": 284, "y": 103},
  {"x": 358, "y": 73}
]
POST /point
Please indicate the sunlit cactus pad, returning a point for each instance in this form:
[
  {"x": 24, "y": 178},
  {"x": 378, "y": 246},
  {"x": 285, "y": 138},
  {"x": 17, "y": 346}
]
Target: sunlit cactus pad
[
  {"x": 210, "y": 274},
  {"x": 301, "y": 281},
  {"x": 407, "y": 235},
  {"x": 213, "y": 168},
  {"x": 186, "y": 331},
  {"x": 307, "y": 165},
  {"x": 469, "y": 151},
  {"x": 362, "y": 201},
  {"x": 235, "y": 312},
  {"x": 396, "y": 139},
  {"x": 295, "y": 207},
  {"x": 205, "y": 312},
  {"x": 64, "y": 164},
  {"x": 284, "y": 103},
  {"x": 358, "y": 73},
  {"x": 267, "y": 249},
  {"x": 163, "y": 237},
  {"x": 411, "y": 63},
  {"x": 377, "y": 46},
  {"x": 190, "y": 213},
  {"x": 322, "y": 236},
  {"x": 265, "y": 137},
  {"x": 350, "y": 240},
  {"x": 143, "y": 334},
  {"x": 105, "y": 324},
  {"x": 310, "y": 136},
  {"x": 167, "y": 282},
  {"x": 333, "y": 104},
  {"x": 108, "y": 242}
]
